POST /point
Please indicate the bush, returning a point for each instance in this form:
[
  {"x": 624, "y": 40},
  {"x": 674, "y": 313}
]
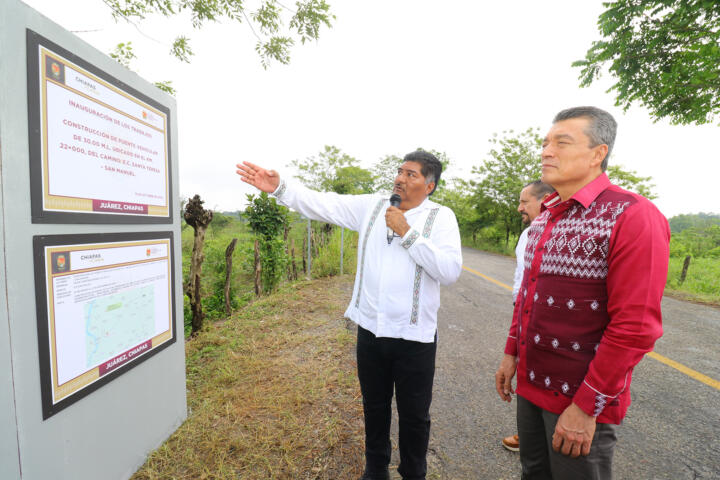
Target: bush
[
  {"x": 214, "y": 278},
  {"x": 327, "y": 262},
  {"x": 491, "y": 239},
  {"x": 678, "y": 249},
  {"x": 697, "y": 242},
  {"x": 220, "y": 221},
  {"x": 268, "y": 220},
  {"x": 274, "y": 263}
]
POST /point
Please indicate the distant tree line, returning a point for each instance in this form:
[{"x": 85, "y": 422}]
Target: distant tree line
[
  {"x": 485, "y": 204},
  {"x": 700, "y": 221},
  {"x": 696, "y": 235}
]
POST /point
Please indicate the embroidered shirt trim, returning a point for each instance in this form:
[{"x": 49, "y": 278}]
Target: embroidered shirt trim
[
  {"x": 373, "y": 217},
  {"x": 418, "y": 269},
  {"x": 407, "y": 243},
  {"x": 280, "y": 190}
]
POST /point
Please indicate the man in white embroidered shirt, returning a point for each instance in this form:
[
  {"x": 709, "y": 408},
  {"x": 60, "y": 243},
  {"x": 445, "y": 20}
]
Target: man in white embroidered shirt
[
  {"x": 531, "y": 197},
  {"x": 395, "y": 299}
]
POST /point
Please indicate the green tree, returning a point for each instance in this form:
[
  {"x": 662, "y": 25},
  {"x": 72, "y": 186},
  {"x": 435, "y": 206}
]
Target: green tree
[
  {"x": 678, "y": 223},
  {"x": 123, "y": 54},
  {"x": 630, "y": 180},
  {"x": 664, "y": 54},
  {"x": 276, "y": 27},
  {"x": 472, "y": 214},
  {"x": 268, "y": 220},
  {"x": 697, "y": 242},
  {"x": 385, "y": 171},
  {"x": 334, "y": 171},
  {"x": 352, "y": 180},
  {"x": 513, "y": 161}
]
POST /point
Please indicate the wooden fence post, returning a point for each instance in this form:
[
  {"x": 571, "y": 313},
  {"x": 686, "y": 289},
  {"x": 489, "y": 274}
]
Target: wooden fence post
[
  {"x": 342, "y": 246},
  {"x": 303, "y": 256},
  {"x": 309, "y": 250},
  {"x": 686, "y": 265},
  {"x": 199, "y": 219},
  {"x": 196, "y": 321},
  {"x": 258, "y": 270},
  {"x": 228, "y": 271},
  {"x": 292, "y": 269}
]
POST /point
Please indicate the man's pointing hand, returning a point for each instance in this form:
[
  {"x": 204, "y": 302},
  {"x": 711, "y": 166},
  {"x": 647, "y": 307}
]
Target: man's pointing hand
[{"x": 258, "y": 177}]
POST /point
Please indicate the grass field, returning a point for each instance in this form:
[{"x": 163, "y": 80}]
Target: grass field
[
  {"x": 272, "y": 393},
  {"x": 702, "y": 282}
]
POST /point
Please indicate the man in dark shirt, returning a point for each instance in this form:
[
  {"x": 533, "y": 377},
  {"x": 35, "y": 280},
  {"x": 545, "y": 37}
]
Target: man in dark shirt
[{"x": 588, "y": 308}]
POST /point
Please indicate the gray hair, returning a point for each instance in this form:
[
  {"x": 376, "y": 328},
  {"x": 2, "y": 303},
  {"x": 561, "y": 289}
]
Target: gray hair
[{"x": 602, "y": 127}]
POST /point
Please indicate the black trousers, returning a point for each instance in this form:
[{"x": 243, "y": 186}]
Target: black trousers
[
  {"x": 409, "y": 367},
  {"x": 540, "y": 462}
]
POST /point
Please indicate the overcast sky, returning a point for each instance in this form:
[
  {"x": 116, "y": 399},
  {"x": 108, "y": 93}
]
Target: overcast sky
[{"x": 390, "y": 76}]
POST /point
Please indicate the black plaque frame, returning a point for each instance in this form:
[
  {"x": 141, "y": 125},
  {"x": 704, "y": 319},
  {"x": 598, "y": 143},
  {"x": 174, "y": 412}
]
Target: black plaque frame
[
  {"x": 39, "y": 214},
  {"x": 39, "y": 243}
]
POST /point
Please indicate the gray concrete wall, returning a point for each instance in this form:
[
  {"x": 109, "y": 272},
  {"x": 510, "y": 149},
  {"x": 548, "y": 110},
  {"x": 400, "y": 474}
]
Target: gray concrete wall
[
  {"x": 9, "y": 459},
  {"x": 9, "y": 453},
  {"x": 108, "y": 434}
]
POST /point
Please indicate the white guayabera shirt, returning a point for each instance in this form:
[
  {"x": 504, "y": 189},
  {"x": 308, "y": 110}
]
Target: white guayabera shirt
[
  {"x": 520, "y": 258},
  {"x": 397, "y": 286}
]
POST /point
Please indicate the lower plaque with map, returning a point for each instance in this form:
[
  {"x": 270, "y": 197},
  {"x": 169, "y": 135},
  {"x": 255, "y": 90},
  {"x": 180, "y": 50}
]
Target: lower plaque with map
[{"x": 104, "y": 304}]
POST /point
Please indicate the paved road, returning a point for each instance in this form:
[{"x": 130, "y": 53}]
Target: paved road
[{"x": 672, "y": 430}]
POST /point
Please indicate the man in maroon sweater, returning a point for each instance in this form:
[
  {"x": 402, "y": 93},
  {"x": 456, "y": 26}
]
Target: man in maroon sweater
[{"x": 588, "y": 307}]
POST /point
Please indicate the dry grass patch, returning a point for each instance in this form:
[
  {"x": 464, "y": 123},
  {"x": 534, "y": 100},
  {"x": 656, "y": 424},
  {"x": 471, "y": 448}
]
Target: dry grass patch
[{"x": 272, "y": 394}]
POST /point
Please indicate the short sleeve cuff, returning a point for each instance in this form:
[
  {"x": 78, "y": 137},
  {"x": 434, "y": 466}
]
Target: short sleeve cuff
[
  {"x": 280, "y": 190},
  {"x": 409, "y": 239}
]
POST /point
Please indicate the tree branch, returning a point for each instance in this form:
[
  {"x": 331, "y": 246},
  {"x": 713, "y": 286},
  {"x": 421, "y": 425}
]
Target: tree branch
[{"x": 251, "y": 27}]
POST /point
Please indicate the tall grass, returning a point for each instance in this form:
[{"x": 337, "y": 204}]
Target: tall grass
[
  {"x": 327, "y": 262},
  {"x": 221, "y": 231},
  {"x": 702, "y": 281},
  {"x": 490, "y": 245},
  {"x": 272, "y": 394},
  {"x": 219, "y": 234}
]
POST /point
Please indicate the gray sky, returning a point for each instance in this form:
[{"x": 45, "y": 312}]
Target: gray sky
[{"x": 390, "y": 76}]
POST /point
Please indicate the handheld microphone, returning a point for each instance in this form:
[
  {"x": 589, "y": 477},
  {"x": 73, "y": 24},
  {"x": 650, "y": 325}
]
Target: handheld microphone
[{"x": 395, "y": 201}]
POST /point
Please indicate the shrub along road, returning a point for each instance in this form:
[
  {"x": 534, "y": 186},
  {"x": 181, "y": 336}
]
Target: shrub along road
[{"x": 672, "y": 428}]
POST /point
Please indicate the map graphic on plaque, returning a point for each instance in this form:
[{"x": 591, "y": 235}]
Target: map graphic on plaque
[
  {"x": 117, "y": 322},
  {"x": 106, "y": 305}
]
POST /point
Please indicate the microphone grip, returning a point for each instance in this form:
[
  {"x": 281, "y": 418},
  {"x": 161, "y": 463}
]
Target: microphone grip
[{"x": 395, "y": 201}]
